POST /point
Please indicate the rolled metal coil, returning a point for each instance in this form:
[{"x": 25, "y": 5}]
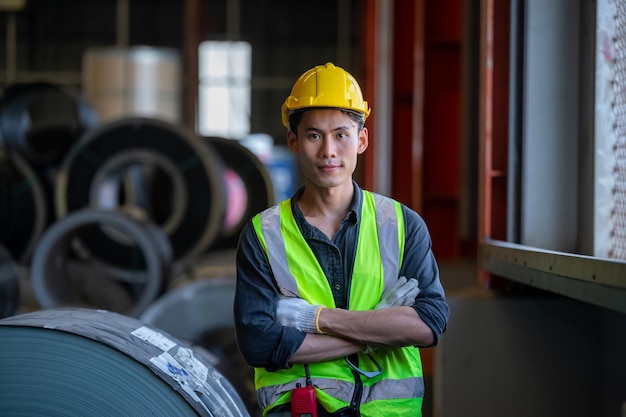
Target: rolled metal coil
[
  {"x": 9, "y": 284},
  {"x": 195, "y": 200},
  {"x": 256, "y": 181},
  {"x": 79, "y": 362},
  {"x": 42, "y": 120},
  {"x": 24, "y": 211},
  {"x": 201, "y": 313},
  {"x": 59, "y": 280},
  {"x": 189, "y": 311}
]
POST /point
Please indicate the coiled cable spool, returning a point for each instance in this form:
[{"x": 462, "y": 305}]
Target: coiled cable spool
[
  {"x": 125, "y": 154},
  {"x": 61, "y": 278},
  {"x": 75, "y": 362}
]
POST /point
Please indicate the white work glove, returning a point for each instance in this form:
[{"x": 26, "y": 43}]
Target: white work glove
[
  {"x": 298, "y": 313},
  {"x": 401, "y": 293}
]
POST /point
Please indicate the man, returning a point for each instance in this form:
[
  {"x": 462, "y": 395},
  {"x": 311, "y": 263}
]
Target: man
[{"x": 337, "y": 287}]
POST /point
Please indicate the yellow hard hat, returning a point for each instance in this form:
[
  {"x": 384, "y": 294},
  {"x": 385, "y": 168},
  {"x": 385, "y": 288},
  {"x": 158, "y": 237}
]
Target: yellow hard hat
[{"x": 325, "y": 86}]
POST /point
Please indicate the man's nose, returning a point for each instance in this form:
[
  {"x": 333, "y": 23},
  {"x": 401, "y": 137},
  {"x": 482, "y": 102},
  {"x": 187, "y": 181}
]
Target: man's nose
[{"x": 328, "y": 148}]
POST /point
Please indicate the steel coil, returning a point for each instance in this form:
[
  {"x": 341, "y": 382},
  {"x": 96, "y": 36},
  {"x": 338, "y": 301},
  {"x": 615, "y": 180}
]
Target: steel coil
[
  {"x": 123, "y": 158},
  {"x": 201, "y": 313},
  {"x": 9, "y": 284},
  {"x": 42, "y": 120},
  {"x": 254, "y": 193},
  {"x": 189, "y": 311},
  {"x": 82, "y": 362},
  {"x": 23, "y": 205},
  {"x": 58, "y": 280}
]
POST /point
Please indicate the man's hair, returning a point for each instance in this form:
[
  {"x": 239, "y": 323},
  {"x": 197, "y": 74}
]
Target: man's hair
[{"x": 296, "y": 117}]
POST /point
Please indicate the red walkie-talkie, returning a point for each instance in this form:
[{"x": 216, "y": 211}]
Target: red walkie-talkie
[{"x": 303, "y": 401}]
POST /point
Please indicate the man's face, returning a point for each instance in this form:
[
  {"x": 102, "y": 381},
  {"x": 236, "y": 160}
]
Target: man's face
[{"x": 327, "y": 145}]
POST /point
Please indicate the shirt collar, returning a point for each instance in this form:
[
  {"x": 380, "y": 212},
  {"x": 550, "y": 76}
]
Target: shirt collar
[
  {"x": 357, "y": 204},
  {"x": 353, "y": 215}
]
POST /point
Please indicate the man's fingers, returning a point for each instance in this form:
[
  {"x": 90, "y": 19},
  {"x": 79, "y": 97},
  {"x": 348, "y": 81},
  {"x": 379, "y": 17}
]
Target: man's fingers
[
  {"x": 409, "y": 297},
  {"x": 407, "y": 293}
]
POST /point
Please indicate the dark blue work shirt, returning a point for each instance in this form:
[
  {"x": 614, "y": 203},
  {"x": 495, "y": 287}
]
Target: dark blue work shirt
[{"x": 264, "y": 342}]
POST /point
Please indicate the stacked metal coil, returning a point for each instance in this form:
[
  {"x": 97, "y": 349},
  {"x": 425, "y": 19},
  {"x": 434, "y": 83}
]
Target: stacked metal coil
[
  {"x": 42, "y": 120},
  {"x": 23, "y": 207},
  {"x": 60, "y": 278},
  {"x": 104, "y": 217},
  {"x": 136, "y": 162},
  {"x": 249, "y": 187},
  {"x": 78, "y": 199},
  {"x": 39, "y": 122},
  {"x": 9, "y": 284}
]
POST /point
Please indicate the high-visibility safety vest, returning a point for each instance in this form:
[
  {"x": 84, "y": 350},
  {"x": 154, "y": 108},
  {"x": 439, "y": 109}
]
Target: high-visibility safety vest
[{"x": 399, "y": 389}]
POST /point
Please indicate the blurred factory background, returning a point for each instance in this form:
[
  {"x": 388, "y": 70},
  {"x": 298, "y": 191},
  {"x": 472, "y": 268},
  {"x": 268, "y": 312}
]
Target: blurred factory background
[{"x": 138, "y": 136}]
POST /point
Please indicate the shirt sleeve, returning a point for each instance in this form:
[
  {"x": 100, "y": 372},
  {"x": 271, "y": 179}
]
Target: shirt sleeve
[
  {"x": 262, "y": 340},
  {"x": 419, "y": 262}
]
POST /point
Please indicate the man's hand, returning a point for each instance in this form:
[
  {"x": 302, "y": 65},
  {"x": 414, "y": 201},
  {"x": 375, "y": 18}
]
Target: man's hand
[
  {"x": 298, "y": 313},
  {"x": 401, "y": 293}
]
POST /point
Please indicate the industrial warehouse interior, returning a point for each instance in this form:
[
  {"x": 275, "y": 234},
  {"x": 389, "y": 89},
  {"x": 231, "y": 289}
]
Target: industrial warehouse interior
[{"x": 138, "y": 137}]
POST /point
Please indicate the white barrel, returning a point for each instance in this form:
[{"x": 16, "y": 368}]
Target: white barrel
[{"x": 134, "y": 81}]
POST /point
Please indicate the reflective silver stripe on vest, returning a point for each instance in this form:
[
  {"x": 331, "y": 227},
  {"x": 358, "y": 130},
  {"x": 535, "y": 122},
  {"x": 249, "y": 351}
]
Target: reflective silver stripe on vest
[
  {"x": 387, "y": 237},
  {"x": 387, "y": 389},
  {"x": 341, "y": 390},
  {"x": 387, "y": 225},
  {"x": 270, "y": 223}
]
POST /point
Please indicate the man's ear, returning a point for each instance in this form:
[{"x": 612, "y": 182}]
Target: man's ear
[
  {"x": 363, "y": 141},
  {"x": 292, "y": 141}
]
